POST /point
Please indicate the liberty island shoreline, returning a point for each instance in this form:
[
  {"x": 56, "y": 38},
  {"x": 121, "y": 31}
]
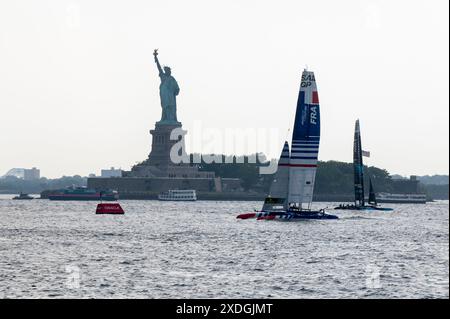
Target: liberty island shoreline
[{"x": 209, "y": 196}]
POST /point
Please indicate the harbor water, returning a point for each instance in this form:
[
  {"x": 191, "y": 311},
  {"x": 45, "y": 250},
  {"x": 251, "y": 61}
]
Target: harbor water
[{"x": 53, "y": 249}]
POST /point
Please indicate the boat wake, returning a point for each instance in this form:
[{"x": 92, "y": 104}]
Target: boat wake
[{"x": 355, "y": 217}]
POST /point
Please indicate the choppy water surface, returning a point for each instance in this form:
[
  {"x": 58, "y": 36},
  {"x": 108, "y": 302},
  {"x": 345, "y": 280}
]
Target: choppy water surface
[{"x": 199, "y": 250}]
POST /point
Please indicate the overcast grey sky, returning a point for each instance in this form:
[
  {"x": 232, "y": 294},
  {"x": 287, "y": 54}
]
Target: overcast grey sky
[{"x": 79, "y": 87}]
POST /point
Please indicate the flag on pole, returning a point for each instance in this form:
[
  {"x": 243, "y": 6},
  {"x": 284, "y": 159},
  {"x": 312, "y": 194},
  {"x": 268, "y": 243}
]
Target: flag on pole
[{"x": 365, "y": 153}]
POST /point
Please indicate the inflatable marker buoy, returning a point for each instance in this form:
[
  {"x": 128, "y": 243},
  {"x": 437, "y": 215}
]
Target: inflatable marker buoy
[{"x": 109, "y": 208}]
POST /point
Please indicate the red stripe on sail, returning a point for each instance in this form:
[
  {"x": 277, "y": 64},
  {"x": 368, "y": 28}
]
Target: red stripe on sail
[{"x": 315, "y": 97}]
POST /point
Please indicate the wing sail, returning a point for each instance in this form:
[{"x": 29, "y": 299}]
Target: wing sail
[
  {"x": 277, "y": 199},
  {"x": 305, "y": 144},
  {"x": 358, "y": 167}
]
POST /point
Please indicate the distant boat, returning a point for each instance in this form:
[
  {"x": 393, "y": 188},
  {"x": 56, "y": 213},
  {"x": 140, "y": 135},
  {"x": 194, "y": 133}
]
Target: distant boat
[
  {"x": 83, "y": 194},
  {"x": 23, "y": 196},
  {"x": 291, "y": 192},
  {"x": 402, "y": 198},
  {"x": 181, "y": 195},
  {"x": 358, "y": 171}
]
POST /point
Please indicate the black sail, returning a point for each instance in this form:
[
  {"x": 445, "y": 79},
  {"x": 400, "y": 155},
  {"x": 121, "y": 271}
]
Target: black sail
[
  {"x": 358, "y": 167},
  {"x": 372, "y": 197}
]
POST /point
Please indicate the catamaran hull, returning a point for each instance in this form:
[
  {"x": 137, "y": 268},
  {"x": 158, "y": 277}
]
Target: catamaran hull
[
  {"x": 314, "y": 215},
  {"x": 365, "y": 208},
  {"x": 287, "y": 215}
]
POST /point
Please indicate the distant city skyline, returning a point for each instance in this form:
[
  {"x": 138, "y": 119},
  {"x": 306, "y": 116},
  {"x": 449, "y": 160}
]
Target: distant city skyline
[{"x": 79, "y": 88}]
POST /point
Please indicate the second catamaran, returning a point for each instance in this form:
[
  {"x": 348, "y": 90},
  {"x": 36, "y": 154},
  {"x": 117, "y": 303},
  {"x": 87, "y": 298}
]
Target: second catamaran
[
  {"x": 358, "y": 171},
  {"x": 291, "y": 192}
]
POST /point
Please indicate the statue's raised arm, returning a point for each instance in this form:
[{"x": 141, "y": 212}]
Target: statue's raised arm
[{"x": 155, "y": 54}]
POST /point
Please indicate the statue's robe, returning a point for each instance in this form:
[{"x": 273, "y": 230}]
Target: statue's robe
[{"x": 168, "y": 90}]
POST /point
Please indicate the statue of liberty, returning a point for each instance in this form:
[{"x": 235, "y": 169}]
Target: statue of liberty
[{"x": 168, "y": 90}]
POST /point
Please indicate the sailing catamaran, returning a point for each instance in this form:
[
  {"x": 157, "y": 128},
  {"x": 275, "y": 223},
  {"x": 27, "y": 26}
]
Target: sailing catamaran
[
  {"x": 358, "y": 171},
  {"x": 291, "y": 192}
]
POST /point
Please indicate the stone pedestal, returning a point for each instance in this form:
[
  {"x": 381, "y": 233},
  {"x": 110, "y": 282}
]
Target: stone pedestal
[
  {"x": 160, "y": 162},
  {"x": 162, "y": 145}
]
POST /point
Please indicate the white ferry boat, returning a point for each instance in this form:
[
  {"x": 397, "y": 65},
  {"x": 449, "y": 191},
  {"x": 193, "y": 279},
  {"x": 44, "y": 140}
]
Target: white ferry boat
[
  {"x": 178, "y": 195},
  {"x": 402, "y": 198}
]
